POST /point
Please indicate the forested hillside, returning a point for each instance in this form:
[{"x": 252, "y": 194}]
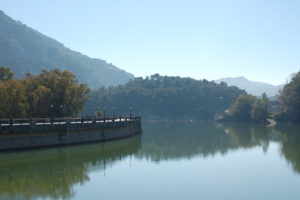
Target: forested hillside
[
  {"x": 165, "y": 97},
  {"x": 25, "y": 50},
  {"x": 290, "y": 98}
]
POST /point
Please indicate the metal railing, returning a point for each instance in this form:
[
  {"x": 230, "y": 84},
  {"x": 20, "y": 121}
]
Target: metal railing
[{"x": 74, "y": 122}]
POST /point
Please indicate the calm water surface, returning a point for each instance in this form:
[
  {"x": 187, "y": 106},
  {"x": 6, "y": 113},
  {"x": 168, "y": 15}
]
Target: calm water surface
[{"x": 170, "y": 160}]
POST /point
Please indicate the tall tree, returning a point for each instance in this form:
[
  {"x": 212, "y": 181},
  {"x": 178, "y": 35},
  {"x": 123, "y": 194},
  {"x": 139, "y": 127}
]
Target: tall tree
[
  {"x": 13, "y": 99},
  {"x": 55, "y": 93},
  {"x": 290, "y": 97},
  {"x": 259, "y": 111},
  {"x": 5, "y": 74},
  {"x": 52, "y": 93},
  {"x": 242, "y": 108}
]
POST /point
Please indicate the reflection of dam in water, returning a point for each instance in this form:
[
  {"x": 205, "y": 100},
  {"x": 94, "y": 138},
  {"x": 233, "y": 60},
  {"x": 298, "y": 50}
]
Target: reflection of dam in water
[
  {"x": 59, "y": 172},
  {"x": 53, "y": 172}
]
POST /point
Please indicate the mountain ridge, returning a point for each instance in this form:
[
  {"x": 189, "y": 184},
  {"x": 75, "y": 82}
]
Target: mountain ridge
[
  {"x": 252, "y": 87},
  {"x": 25, "y": 50}
]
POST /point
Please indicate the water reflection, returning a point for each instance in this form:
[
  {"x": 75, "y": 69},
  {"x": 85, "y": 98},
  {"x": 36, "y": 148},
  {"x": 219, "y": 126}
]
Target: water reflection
[
  {"x": 290, "y": 149},
  {"x": 185, "y": 140},
  {"x": 248, "y": 135},
  {"x": 176, "y": 140},
  {"x": 53, "y": 172}
]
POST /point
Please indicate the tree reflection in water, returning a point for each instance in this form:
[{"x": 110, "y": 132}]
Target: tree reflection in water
[
  {"x": 53, "y": 172},
  {"x": 290, "y": 149},
  {"x": 185, "y": 140},
  {"x": 247, "y": 135},
  {"x": 178, "y": 140}
]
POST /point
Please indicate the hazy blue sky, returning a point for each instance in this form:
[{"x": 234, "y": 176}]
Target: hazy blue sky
[{"x": 258, "y": 39}]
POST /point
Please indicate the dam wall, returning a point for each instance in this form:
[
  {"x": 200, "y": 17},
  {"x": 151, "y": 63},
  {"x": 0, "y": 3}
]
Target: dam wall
[{"x": 26, "y": 136}]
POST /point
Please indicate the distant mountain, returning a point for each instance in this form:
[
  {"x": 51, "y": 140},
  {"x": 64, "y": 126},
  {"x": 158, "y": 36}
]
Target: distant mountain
[
  {"x": 252, "y": 87},
  {"x": 25, "y": 50}
]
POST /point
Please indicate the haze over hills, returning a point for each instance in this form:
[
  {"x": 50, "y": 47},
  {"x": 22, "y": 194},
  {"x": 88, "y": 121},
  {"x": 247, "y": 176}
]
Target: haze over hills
[
  {"x": 252, "y": 87},
  {"x": 25, "y": 50}
]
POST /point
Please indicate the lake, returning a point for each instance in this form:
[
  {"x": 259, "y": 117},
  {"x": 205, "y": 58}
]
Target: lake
[{"x": 170, "y": 160}]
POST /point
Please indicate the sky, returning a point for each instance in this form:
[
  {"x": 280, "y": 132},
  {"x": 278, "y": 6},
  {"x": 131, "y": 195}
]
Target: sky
[{"x": 202, "y": 39}]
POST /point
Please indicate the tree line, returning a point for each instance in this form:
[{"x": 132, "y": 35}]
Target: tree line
[
  {"x": 251, "y": 108},
  {"x": 290, "y": 99},
  {"x": 164, "y": 97},
  {"x": 58, "y": 93},
  {"x": 52, "y": 93}
]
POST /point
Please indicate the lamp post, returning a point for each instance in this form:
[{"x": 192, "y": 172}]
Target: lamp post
[
  {"x": 61, "y": 110},
  {"x": 104, "y": 113},
  {"x": 114, "y": 109},
  {"x": 97, "y": 112},
  {"x": 51, "y": 113},
  {"x": 130, "y": 112}
]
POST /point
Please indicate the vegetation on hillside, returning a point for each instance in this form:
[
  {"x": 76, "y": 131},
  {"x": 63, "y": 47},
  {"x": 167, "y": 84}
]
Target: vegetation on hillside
[
  {"x": 165, "y": 97},
  {"x": 249, "y": 108},
  {"x": 25, "y": 50},
  {"x": 290, "y": 98},
  {"x": 52, "y": 93}
]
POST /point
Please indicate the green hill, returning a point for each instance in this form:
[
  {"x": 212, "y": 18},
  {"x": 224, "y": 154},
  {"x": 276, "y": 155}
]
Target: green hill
[
  {"x": 25, "y": 50},
  {"x": 165, "y": 97}
]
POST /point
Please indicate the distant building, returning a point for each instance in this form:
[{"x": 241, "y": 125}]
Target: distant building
[{"x": 275, "y": 107}]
